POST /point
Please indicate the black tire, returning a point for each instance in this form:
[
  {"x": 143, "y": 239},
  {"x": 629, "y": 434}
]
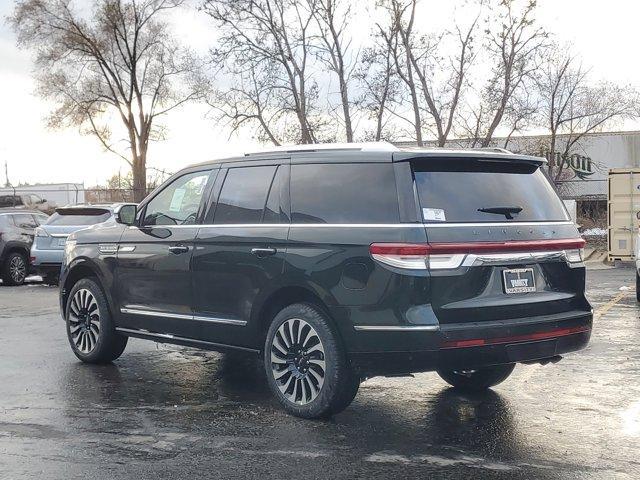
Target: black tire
[
  {"x": 637, "y": 287},
  {"x": 298, "y": 369},
  {"x": 81, "y": 317},
  {"x": 15, "y": 268},
  {"x": 477, "y": 380},
  {"x": 51, "y": 279}
]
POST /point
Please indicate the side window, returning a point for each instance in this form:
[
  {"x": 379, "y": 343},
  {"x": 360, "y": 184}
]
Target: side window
[
  {"x": 243, "y": 195},
  {"x": 179, "y": 202},
  {"x": 40, "y": 219},
  {"x": 24, "y": 220},
  {"x": 344, "y": 193}
]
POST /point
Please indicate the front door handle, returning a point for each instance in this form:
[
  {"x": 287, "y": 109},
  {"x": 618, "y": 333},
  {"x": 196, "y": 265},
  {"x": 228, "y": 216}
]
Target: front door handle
[
  {"x": 263, "y": 252},
  {"x": 178, "y": 249}
]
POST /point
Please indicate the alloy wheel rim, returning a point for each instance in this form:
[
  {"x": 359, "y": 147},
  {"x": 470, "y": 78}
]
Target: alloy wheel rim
[
  {"x": 84, "y": 321},
  {"x": 298, "y": 361},
  {"x": 18, "y": 269}
]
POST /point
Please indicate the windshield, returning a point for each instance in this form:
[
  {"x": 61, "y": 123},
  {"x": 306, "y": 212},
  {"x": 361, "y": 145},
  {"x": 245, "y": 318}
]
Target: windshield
[
  {"x": 469, "y": 190},
  {"x": 57, "y": 219}
]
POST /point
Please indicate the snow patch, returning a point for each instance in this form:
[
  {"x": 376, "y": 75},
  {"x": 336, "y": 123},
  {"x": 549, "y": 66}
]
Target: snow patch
[
  {"x": 440, "y": 461},
  {"x": 594, "y": 232}
]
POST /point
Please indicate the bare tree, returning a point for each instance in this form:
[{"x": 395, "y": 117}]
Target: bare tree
[
  {"x": 378, "y": 80},
  {"x": 516, "y": 43},
  {"x": 122, "y": 59},
  {"x": 571, "y": 106},
  {"x": 333, "y": 17},
  {"x": 272, "y": 38},
  {"x": 247, "y": 100},
  {"x": 435, "y": 81}
]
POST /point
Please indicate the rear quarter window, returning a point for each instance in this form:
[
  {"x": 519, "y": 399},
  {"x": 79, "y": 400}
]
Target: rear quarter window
[
  {"x": 468, "y": 190},
  {"x": 344, "y": 193}
]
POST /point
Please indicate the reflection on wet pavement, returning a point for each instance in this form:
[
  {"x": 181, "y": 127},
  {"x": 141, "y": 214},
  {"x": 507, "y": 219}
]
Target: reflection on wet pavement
[{"x": 171, "y": 412}]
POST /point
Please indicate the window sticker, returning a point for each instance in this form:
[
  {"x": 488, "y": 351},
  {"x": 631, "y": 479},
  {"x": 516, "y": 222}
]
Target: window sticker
[
  {"x": 434, "y": 214},
  {"x": 176, "y": 200}
]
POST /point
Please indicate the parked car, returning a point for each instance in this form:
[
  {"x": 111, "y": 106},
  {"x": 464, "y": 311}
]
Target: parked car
[
  {"x": 50, "y": 237},
  {"x": 16, "y": 236},
  {"x": 338, "y": 264},
  {"x": 29, "y": 201}
]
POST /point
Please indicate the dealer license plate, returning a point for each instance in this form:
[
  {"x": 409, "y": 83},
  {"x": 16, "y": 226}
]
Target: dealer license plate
[{"x": 519, "y": 280}]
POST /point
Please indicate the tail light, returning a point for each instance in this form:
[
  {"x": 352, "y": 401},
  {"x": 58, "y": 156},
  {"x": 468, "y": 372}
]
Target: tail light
[
  {"x": 452, "y": 255},
  {"x": 401, "y": 255}
]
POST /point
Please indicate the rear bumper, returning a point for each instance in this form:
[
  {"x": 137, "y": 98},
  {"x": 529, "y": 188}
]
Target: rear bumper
[
  {"x": 466, "y": 346},
  {"x": 46, "y": 257}
]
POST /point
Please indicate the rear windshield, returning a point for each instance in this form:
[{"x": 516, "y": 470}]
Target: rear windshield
[
  {"x": 468, "y": 190},
  {"x": 58, "y": 219}
]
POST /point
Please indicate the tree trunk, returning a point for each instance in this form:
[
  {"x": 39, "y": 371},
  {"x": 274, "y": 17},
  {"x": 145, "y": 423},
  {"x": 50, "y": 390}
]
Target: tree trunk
[{"x": 139, "y": 177}]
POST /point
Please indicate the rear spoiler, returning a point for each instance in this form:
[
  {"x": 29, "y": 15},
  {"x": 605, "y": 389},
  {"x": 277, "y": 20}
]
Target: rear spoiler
[
  {"x": 480, "y": 155},
  {"x": 81, "y": 211}
]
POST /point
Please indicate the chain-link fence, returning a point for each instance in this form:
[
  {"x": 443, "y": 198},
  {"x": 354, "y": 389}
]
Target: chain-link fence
[{"x": 48, "y": 197}]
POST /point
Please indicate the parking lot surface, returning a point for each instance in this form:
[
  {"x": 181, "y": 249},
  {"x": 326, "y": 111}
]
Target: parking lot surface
[{"x": 170, "y": 412}]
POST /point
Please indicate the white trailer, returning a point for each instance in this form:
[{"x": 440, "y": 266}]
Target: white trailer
[
  {"x": 56, "y": 194},
  {"x": 623, "y": 205}
]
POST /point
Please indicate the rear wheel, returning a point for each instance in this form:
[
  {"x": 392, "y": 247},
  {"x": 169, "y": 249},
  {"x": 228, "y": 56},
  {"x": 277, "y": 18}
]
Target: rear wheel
[
  {"x": 14, "y": 270},
  {"x": 479, "y": 379},
  {"x": 90, "y": 328},
  {"x": 306, "y": 367}
]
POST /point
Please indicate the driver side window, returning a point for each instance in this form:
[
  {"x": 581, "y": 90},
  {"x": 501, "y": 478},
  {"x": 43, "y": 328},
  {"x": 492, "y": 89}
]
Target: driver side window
[{"x": 178, "y": 203}]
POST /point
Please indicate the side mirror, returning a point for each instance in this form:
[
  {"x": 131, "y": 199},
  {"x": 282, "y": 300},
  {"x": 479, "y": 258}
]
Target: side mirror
[
  {"x": 42, "y": 200},
  {"x": 127, "y": 214}
]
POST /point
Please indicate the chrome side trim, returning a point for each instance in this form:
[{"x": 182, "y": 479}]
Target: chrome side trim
[
  {"x": 365, "y": 225},
  {"x": 198, "y": 318},
  {"x": 224, "y": 321},
  {"x": 297, "y": 225},
  {"x": 59, "y": 235},
  {"x": 396, "y": 328},
  {"x": 126, "y": 248},
  {"x": 152, "y": 313}
]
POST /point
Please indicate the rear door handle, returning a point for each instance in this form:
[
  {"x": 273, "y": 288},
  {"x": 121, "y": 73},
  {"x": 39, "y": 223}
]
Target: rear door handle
[
  {"x": 263, "y": 252},
  {"x": 178, "y": 249}
]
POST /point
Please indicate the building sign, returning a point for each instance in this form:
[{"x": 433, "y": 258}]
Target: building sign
[{"x": 581, "y": 165}]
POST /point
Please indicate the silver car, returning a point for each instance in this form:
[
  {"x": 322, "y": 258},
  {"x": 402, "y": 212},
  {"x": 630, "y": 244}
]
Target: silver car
[{"x": 50, "y": 238}]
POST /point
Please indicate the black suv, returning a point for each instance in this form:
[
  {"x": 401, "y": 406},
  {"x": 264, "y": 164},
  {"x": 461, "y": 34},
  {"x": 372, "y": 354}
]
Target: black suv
[
  {"x": 17, "y": 229},
  {"x": 338, "y": 264}
]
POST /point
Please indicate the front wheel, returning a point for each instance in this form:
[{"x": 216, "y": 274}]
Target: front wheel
[
  {"x": 306, "y": 367},
  {"x": 479, "y": 379},
  {"x": 90, "y": 328}
]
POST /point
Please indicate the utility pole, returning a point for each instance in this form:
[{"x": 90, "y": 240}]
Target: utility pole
[{"x": 7, "y": 183}]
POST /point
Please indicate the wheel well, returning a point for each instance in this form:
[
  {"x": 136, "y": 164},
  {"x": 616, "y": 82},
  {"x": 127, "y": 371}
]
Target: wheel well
[
  {"x": 282, "y": 298},
  {"x": 76, "y": 274},
  {"x": 17, "y": 249}
]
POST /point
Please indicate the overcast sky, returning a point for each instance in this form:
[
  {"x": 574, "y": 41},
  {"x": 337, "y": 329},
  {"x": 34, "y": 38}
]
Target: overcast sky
[{"x": 605, "y": 34}]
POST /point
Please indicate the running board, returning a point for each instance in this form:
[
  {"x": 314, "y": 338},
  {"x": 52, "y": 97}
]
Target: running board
[{"x": 176, "y": 340}]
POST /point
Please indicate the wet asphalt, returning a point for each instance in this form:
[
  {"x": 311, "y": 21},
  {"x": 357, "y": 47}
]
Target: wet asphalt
[{"x": 170, "y": 412}]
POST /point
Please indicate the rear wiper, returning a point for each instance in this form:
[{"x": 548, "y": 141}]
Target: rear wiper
[{"x": 508, "y": 212}]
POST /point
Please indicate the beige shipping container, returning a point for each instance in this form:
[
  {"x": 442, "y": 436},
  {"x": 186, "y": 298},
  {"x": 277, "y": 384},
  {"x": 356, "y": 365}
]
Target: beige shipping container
[{"x": 622, "y": 206}]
